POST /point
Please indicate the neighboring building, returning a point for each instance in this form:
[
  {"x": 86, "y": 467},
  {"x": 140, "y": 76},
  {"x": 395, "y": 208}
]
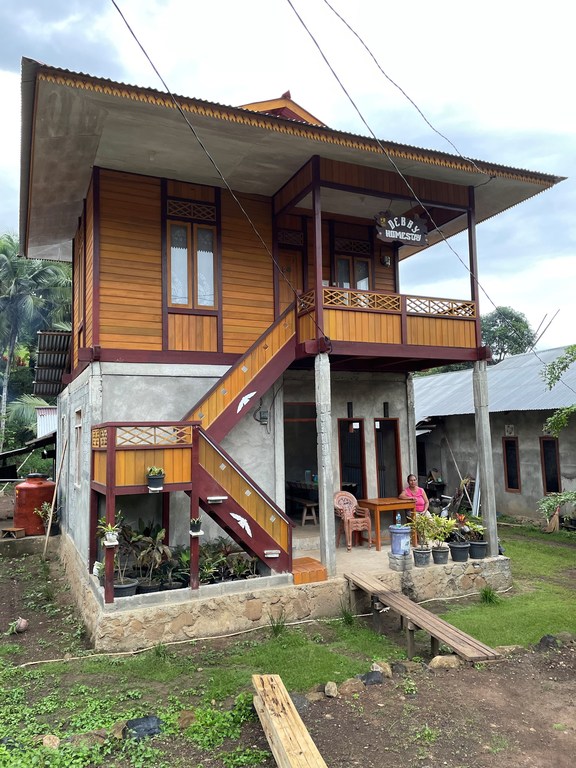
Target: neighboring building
[
  {"x": 528, "y": 462},
  {"x": 190, "y": 350}
]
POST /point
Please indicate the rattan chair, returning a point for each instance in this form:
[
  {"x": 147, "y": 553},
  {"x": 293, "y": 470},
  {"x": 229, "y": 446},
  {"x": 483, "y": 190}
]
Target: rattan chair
[{"x": 353, "y": 519}]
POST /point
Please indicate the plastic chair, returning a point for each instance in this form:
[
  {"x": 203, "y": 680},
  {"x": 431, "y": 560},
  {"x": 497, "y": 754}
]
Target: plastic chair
[{"x": 353, "y": 519}]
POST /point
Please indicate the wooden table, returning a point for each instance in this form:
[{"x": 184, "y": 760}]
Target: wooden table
[{"x": 391, "y": 504}]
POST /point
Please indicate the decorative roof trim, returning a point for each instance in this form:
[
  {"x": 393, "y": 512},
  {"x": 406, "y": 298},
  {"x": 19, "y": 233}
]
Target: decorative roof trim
[{"x": 289, "y": 127}]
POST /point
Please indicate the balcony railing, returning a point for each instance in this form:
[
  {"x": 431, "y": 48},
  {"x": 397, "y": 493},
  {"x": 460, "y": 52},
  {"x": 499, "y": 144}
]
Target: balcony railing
[{"x": 389, "y": 318}]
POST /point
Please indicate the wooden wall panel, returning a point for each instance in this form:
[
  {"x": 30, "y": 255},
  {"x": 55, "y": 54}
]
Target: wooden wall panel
[
  {"x": 373, "y": 327},
  {"x": 99, "y": 466},
  {"x": 388, "y": 182},
  {"x": 77, "y": 305},
  {"x": 89, "y": 284},
  {"x": 131, "y": 465},
  {"x": 192, "y": 333},
  {"x": 190, "y": 191},
  {"x": 247, "y": 285},
  {"x": 441, "y": 332},
  {"x": 130, "y": 262}
]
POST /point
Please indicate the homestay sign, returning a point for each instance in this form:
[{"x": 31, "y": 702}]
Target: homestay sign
[{"x": 403, "y": 229}]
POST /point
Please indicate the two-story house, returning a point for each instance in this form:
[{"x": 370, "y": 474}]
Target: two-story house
[{"x": 238, "y": 314}]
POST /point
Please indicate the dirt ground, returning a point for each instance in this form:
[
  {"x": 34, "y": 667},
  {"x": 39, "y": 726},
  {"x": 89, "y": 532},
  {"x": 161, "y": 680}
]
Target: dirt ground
[{"x": 519, "y": 712}]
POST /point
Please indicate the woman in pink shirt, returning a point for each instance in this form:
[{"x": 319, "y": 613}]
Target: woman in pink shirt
[{"x": 413, "y": 491}]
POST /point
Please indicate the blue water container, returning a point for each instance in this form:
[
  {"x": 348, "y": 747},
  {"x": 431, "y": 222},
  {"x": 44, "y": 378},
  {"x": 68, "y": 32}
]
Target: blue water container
[{"x": 400, "y": 539}]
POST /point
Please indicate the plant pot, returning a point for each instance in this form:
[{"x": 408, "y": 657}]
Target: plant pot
[
  {"x": 156, "y": 482},
  {"x": 126, "y": 588},
  {"x": 440, "y": 555},
  {"x": 195, "y": 526},
  {"x": 459, "y": 550},
  {"x": 111, "y": 538},
  {"x": 478, "y": 550},
  {"x": 145, "y": 586},
  {"x": 421, "y": 557}
]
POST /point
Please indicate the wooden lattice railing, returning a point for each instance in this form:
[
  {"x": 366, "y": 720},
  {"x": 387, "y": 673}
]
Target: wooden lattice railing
[{"x": 345, "y": 298}]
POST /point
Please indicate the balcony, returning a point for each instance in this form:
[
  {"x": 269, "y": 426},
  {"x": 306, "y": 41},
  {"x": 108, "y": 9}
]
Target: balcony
[{"x": 411, "y": 324}]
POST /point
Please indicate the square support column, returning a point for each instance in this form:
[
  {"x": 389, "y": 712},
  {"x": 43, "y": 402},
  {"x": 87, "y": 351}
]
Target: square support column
[
  {"x": 325, "y": 473},
  {"x": 484, "y": 448}
]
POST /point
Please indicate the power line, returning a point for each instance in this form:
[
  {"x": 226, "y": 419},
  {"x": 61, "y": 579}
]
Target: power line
[{"x": 393, "y": 163}]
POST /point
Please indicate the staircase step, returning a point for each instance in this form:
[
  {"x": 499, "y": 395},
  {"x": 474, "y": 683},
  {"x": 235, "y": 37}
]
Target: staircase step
[{"x": 307, "y": 570}]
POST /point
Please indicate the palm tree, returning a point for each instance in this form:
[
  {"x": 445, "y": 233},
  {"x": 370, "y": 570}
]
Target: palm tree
[{"x": 31, "y": 292}]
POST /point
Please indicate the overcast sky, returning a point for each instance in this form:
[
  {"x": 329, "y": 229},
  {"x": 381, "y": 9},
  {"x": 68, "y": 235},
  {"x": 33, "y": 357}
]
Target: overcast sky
[{"x": 495, "y": 78}]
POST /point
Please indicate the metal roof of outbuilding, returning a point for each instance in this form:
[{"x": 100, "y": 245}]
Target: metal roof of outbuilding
[{"x": 515, "y": 384}]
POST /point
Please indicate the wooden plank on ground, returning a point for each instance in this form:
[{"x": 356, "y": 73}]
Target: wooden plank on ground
[
  {"x": 466, "y": 646},
  {"x": 290, "y": 742}
]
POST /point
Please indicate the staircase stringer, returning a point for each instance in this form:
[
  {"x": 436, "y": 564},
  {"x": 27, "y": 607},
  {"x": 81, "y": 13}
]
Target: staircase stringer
[
  {"x": 232, "y": 516},
  {"x": 248, "y": 379}
]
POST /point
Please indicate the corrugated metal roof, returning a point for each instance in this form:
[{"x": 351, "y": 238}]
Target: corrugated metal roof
[
  {"x": 52, "y": 360},
  {"x": 515, "y": 384}
]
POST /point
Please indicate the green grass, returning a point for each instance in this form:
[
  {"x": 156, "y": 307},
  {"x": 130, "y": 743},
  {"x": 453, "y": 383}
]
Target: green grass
[{"x": 539, "y": 604}]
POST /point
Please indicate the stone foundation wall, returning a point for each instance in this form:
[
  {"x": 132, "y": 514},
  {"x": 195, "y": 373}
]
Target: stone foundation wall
[{"x": 146, "y": 620}]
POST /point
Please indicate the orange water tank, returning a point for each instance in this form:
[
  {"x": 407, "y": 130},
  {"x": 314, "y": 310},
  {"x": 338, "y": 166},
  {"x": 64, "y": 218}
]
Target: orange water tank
[{"x": 29, "y": 496}]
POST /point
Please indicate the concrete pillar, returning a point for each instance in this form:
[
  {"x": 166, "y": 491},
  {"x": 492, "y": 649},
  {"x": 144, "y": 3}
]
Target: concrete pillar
[
  {"x": 484, "y": 448},
  {"x": 411, "y": 424},
  {"x": 325, "y": 475}
]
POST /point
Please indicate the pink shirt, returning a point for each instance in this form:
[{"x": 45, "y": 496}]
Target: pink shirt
[{"x": 418, "y": 497}]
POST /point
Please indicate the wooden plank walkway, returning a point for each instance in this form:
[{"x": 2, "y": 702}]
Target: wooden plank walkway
[
  {"x": 289, "y": 740},
  {"x": 415, "y": 617}
]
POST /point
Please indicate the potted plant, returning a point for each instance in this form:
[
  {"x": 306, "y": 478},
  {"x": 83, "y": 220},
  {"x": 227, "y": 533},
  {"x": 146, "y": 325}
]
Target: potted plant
[
  {"x": 43, "y": 512},
  {"x": 155, "y": 478},
  {"x": 440, "y": 530},
  {"x": 195, "y": 526},
  {"x": 153, "y": 553},
  {"x": 108, "y": 532},
  {"x": 421, "y": 523},
  {"x": 459, "y": 541},
  {"x": 478, "y": 544}
]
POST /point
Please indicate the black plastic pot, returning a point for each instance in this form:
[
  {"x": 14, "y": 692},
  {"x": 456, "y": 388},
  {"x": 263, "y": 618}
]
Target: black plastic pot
[
  {"x": 478, "y": 550},
  {"x": 440, "y": 555},
  {"x": 421, "y": 557},
  {"x": 459, "y": 550}
]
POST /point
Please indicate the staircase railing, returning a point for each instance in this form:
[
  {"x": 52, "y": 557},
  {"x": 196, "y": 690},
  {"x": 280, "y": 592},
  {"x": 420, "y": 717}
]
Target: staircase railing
[{"x": 229, "y": 399}]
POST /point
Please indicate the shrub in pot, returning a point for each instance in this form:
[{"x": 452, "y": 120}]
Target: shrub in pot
[
  {"x": 421, "y": 523},
  {"x": 441, "y": 530}
]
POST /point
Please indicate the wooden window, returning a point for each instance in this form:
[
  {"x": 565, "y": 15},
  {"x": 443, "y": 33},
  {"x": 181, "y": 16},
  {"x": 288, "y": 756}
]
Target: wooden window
[
  {"x": 511, "y": 464},
  {"x": 191, "y": 266},
  {"x": 353, "y": 273},
  {"x": 550, "y": 461}
]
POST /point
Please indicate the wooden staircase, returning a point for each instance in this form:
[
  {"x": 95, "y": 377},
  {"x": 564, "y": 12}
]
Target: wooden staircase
[{"x": 248, "y": 379}]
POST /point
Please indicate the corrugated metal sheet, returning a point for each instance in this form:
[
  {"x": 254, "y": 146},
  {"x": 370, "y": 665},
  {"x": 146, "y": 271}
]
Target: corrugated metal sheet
[
  {"x": 52, "y": 360},
  {"x": 46, "y": 420},
  {"x": 515, "y": 384}
]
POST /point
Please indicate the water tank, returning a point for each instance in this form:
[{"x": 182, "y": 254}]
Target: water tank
[{"x": 29, "y": 495}]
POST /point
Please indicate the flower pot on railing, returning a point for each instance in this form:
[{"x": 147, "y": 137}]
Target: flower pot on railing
[
  {"x": 155, "y": 479},
  {"x": 195, "y": 527}
]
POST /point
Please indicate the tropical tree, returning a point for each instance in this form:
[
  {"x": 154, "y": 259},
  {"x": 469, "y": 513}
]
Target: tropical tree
[
  {"x": 552, "y": 374},
  {"x": 507, "y": 332},
  {"x": 32, "y": 294}
]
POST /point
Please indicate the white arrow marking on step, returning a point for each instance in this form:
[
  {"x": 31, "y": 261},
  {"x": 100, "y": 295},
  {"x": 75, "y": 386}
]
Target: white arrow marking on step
[
  {"x": 242, "y": 522},
  {"x": 244, "y": 401}
]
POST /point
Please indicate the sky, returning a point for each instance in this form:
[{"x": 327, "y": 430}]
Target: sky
[{"x": 494, "y": 78}]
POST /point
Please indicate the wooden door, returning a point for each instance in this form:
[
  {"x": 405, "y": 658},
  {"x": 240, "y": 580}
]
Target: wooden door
[{"x": 290, "y": 263}]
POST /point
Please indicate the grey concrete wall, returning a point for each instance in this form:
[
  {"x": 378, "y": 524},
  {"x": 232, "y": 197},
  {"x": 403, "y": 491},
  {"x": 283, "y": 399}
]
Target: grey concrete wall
[
  {"x": 458, "y": 433},
  {"x": 367, "y": 392}
]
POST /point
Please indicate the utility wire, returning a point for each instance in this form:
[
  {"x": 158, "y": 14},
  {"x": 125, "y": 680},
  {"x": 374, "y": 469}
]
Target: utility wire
[
  {"x": 211, "y": 159},
  {"x": 397, "y": 169}
]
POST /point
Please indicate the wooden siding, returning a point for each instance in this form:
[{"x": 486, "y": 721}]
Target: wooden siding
[
  {"x": 89, "y": 283},
  {"x": 190, "y": 191},
  {"x": 240, "y": 375},
  {"x": 131, "y": 465},
  {"x": 192, "y": 332},
  {"x": 348, "y": 325},
  {"x": 77, "y": 306},
  {"x": 99, "y": 467},
  {"x": 247, "y": 285},
  {"x": 238, "y": 487},
  {"x": 130, "y": 263},
  {"x": 388, "y": 182},
  {"x": 441, "y": 332},
  {"x": 292, "y": 188}
]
